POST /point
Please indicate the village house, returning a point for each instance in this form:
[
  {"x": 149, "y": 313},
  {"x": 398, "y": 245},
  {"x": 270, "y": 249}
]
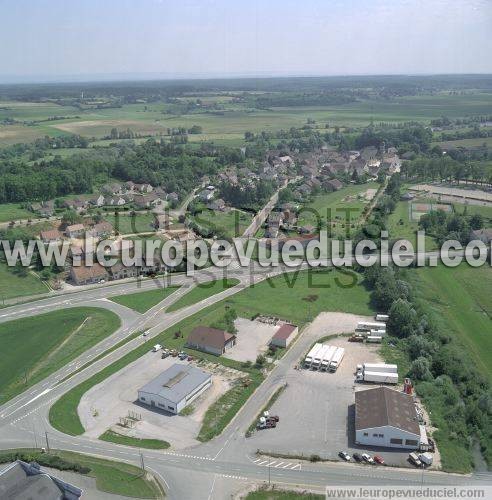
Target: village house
[
  {"x": 112, "y": 189},
  {"x": 147, "y": 200},
  {"x": 119, "y": 271},
  {"x": 50, "y": 236},
  {"x": 484, "y": 235},
  {"x": 102, "y": 230},
  {"x": 114, "y": 201},
  {"x": 206, "y": 195},
  {"x": 162, "y": 221},
  {"x": 75, "y": 230},
  {"x": 333, "y": 185},
  {"x": 217, "y": 205},
  {"x": 97, "y": 201},
  {"x": 86, "y": 275}
]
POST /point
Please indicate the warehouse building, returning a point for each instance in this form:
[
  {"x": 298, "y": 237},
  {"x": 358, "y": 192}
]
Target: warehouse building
[
  {"x": 284, "y": 335},
  {"x": 175, "y": 388},
  {"x": 387, "y": 418}
]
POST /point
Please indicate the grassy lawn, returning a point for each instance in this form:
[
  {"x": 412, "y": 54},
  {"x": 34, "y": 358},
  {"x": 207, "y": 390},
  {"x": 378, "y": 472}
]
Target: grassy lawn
[
  {"x": 202, "y": 291},
  {"x": 461, "y": 299},
  {"x": 151, "y": 444},
  {"x": 113, "y": 477},
  {"x": 124, "y": 223},
  {"x": 231, "y": 224},
  {"x": 349, "y": 197},
  {"x": 13, "y": 211},
  {"x": 282, "y": 296},
  {"x": 35, "y": 347},
  {"x": 401, "y": 227},
  {"x": 265, "y": 494},
  {"x": 143, "y": 301},
  {"x": 12, "y": 285}
]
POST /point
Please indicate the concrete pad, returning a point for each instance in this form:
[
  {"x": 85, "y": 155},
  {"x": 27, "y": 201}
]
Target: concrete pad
[{"x": 253, "y": 338}]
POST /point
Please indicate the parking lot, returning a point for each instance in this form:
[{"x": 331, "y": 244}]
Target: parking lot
[
  {"x": 102, "y": 406},
  {"x": 317, "y": 411}
]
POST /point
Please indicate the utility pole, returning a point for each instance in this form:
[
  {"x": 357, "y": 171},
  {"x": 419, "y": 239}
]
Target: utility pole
[
  {"x": 142, "y": 462},
  {"x": 47, "y": 442}
]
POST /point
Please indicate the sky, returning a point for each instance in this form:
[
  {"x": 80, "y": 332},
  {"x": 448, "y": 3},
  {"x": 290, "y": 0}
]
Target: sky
[{"x": 43, "y": 40}]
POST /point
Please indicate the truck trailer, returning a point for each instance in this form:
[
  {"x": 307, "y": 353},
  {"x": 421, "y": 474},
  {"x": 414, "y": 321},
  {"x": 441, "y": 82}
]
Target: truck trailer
[
  {"x": 382, "y": 317},
  {"x": 337, "y": 359},
  {"x": 367, "y": 326},
  {"x": 378, "y": 377},
  {"x": 380, "y": 367}
]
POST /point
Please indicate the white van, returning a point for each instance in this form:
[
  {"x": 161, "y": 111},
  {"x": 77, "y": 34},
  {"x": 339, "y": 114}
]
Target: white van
[{"x": 156, "y": 348}]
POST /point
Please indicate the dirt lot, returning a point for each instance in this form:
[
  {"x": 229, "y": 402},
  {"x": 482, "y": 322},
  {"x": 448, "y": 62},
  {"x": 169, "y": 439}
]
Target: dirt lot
[
  {"x": 316, "y": 410},
  {"x": 476, "y": 194},
  {"x": 252, "y": 339},
  {"x": 102, "y": 406}
]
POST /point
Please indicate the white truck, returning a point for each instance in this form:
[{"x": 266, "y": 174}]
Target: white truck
[
  {"x": 378, "y": 377},
  {"x": 382, "y": 317},
  {"x": 374, "y": 339},
  {"x": 380, "y": 367},
  {"x": 156, "y": 348},
  {"x": 337, "y": 359},
  {"x": 426, "y": 458},
  {"x": 367, "y": 326},
  {"x": 327, "y": 357},
  {"x": 311, "y": 354}
]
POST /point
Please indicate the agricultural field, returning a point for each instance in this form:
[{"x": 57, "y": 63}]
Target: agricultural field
[
  {"x": 143, "y": 301},
  {"x": 460, "y": 297},
  {"x": 228, "y": 125},
  {"x": 465, "y": 143},
  {"x": 230, "y": 224},
  {"x": 349, "y": 197},
  {"x": 36, "y": 346}
]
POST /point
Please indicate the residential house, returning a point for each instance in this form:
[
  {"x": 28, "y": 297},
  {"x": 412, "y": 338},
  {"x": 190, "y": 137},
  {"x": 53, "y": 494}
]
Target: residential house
[
  {"x": 120, "y": 271},
  {"x": 333, "y": 185},
  {"x": 115, "y": 201},
  {"x": 86, "y": 275},
  {"x": 102, "y": 230},
  {"x": 210, "y": 340},
  {"x": 218, "y": 205},
  {"x": 50, "y": 235},
  {"x": 484, "y": 235},
  {"x": 97, "y": 201},
  {"x": 147, "y": 200},
  {"x": 173, "y": 197},
  {"x": 75, "y": 230},
  {"x": 206, "y": 195},
  {"x": 112, "y": 188},
  {"x": 369, "y": 153},
  {"x": 143, "y": 188},
  {"x": 307, "y": 229}
]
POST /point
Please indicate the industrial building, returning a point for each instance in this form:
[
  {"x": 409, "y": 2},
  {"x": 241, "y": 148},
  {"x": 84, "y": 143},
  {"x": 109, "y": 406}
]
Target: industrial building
[
  {"x": 284, "y": 335},
  {"x": 387, "y": 418},
  {"x": 175, "y": 388}
]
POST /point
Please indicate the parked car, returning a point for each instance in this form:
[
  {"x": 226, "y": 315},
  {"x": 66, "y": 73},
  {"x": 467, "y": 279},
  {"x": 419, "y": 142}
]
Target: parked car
[
  {"x": 174, "y": 353},
  {"x": 357, "y": 457},
  {"x": 367, "y": 458},
  {"x": 156, "y": 348},
  {"x": 379, "y": 460},
  {"x": 182, "y": 355},
  {"x": 344, "y": 456},
  {"x": 144, "y": 334},
  {"x": 165, "y": 354}
]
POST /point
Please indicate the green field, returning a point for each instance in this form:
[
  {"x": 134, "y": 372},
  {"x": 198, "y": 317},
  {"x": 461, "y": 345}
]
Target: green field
[
  {"x": 401, "y": 227},
  {"x": 284, "y": 296},
  {"x": 13, "y": 211},
  {"x": 150, "y": 444},
  {"x": 124, "y": 223},
  {"x": 117, "y": 478},
  {"x": 143, "y": 301},
  {"x": 349, "y": 197},
  {"x": 465, "y": 143},
  {"x": 460, "y": 297},
  {"x": 35, "y": 347},
  {"x": 229, "y": 125},
  {"x": 12, "y": 285},
  {"x": 202, "y": 291},
  {"x": 231, "y": 224}
]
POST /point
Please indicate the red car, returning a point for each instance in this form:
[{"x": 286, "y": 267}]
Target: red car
[{"x": 379, "y": 460}]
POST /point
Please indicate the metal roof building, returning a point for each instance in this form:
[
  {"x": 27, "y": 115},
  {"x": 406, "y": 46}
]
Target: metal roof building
[
  {"x": 387, "y": 418},
  {"x": 175, "y": 388}
]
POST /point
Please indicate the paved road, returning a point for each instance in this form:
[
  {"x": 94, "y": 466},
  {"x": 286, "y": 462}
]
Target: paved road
[{"x": 212, "y": 470}]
